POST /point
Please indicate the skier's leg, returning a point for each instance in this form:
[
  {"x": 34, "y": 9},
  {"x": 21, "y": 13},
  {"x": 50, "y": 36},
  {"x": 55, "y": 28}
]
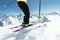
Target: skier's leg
[
  {"x": 27, "y": 15},
  {"x": 25, "y": 9}
]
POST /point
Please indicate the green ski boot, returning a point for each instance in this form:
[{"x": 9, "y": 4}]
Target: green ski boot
[{"x": 27, "y": 25}]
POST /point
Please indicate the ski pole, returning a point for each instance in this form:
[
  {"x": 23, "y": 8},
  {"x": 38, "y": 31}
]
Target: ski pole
[{"x": 39, "y": 17}]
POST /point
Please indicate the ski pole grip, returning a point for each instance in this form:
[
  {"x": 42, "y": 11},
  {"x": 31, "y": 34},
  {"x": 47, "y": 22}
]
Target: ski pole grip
[{"x": 39, "y": 17}]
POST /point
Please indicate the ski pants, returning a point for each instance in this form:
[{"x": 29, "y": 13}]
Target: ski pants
[{"x": 24, "y": 7}]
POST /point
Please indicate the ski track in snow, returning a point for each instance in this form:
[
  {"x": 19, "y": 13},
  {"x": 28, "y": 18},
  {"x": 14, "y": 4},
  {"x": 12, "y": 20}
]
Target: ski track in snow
[{"x": 50, "y": 31}]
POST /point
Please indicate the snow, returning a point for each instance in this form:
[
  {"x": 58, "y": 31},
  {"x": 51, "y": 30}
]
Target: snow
[{"x": 47, "y": 31}]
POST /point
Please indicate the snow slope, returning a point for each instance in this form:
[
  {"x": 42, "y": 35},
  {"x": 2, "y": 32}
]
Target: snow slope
[{"x": 48, "y": 30}]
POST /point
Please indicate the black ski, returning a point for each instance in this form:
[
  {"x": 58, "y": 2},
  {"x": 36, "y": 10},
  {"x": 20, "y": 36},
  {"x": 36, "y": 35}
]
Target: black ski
[
  {"x": 16, "y": 27},
  {"x": 23, "y": 28}
]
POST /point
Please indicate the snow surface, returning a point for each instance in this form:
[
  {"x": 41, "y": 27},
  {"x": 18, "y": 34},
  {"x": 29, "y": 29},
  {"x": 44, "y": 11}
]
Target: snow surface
[{"x": 49, "y": 30}]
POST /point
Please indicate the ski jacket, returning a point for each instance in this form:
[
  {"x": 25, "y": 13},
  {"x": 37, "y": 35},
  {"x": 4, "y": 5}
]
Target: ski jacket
[{"x": 22, "y": 0}]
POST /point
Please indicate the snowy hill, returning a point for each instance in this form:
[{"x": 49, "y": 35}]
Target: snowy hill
[
  {"x": 54, "y": 13},
  {"x": 49, "y": 29},
  {"x": 4, "y": 20}
]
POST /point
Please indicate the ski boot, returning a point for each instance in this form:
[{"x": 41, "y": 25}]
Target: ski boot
[{"x": 26, "y": 25}]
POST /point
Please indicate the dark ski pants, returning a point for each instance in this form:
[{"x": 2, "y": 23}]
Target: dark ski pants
[{"x": 25, "y": 10}]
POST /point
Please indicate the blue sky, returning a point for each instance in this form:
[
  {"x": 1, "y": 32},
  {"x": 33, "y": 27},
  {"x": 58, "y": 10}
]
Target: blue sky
[
  {"x": 12, "y": 8},
  {"x": 46, "y": 6},
  {"x": 50, "y": 6}
]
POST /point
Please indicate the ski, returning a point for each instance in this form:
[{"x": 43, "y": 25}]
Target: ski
[
  {"x": 16, "y": 27},
  {"x": 26, "y": 28},
  {"x": 33, "y": 23},
  {"x": 22, "y": 28},
  {"x": 19, "y": 26}
]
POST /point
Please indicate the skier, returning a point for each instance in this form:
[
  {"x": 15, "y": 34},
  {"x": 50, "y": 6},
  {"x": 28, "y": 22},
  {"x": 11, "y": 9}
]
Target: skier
[{"x": 24, "y": 7}]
